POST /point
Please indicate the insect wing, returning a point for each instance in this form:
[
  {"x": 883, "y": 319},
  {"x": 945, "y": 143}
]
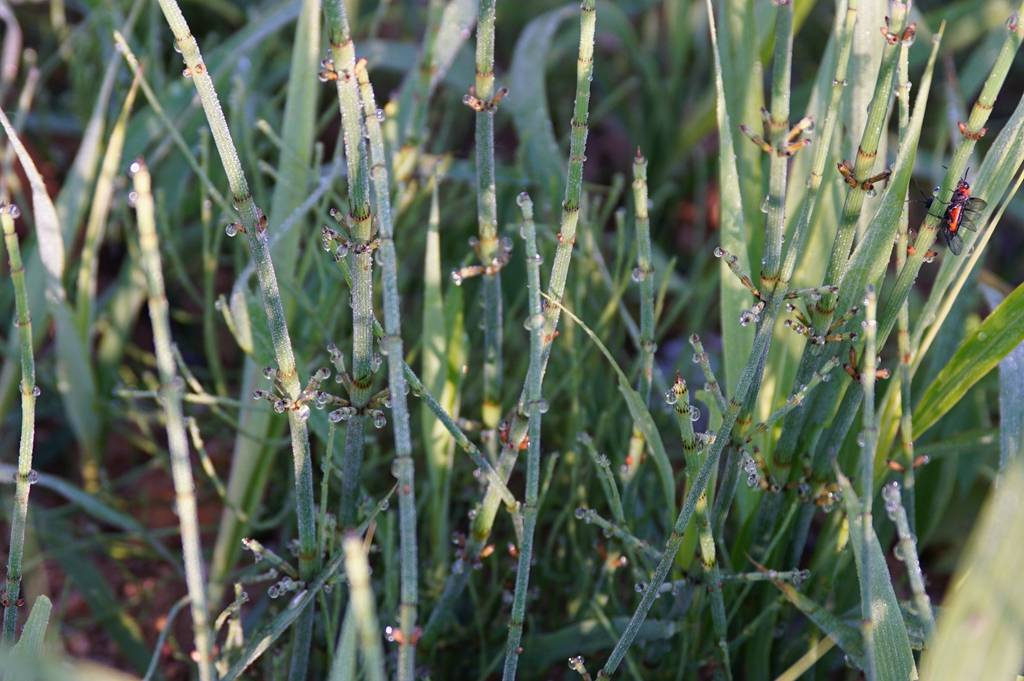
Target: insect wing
[
  {"x": 971, "y": 213},
  {"x": 953, "y": 242}
]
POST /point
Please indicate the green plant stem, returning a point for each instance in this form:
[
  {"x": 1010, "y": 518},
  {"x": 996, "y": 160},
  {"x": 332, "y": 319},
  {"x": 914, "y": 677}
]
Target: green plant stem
[
  {"x": 903, "y": 321},
  {"x": 863, "y": 167},
  {"x": 488, "y": 508},
  {"x": 868, "y": 441},
  {"x": 778, "y": 128},
  {"x": 177, "y": 441},
  {"x": 907, "y": 552},
  {"x": 487, "y": 220},
  {"x": 619, "y": 531},
  {"x": 535, "y": 408},
  {"x": 445, "y": 419},
  {"x": 391, "y": 345},
  {"x": 810, "y": 209},
  {"x": 712, "y": 384},
  {"x": 606, "y": 478},
  {"x": 692, "y": 448},
  {"x": 259, "y": 250},
  {"x": 645, "y": 273},
  {"x": 360, "y": 255},
  {"x": 19, "y": 516}
]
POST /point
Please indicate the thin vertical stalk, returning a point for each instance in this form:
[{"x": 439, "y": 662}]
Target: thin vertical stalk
[
  {"x": 692, "y": 448},
  {"x": 867, "y": 156},
  {"x": 903, "y": 321},
  {"x": 488, "y": 508},
  {"x": 778, "y": 127},
  {"x": 809, "y": 211},
  {"x": 391, "y": 345},
  {"x": 364, "y": 612},
  {"x": 534, "y": 407},
  {"x": 868, "y": 440},
  {"x": 259, "y": 250},
  {"x": 23, "y": 481},
  {"x": 644, "y": 274},
  {"x": 487, "y": 218},
  {"x": 360, "y": 256},
  {"x": 906, "y": 551},
  {"x": 177, "y": 441}
]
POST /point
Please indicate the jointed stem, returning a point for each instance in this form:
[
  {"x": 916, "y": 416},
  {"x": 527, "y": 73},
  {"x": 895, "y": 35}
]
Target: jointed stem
[
  {"x": 177, "y": 442},
  {"x": 487, "y": 218},
  {"x": 869, "y": 439},
  {"x": 556, "y": 288},
  {"x": 534, "y": 407},
  {"x": 259, "y": 249},
  {"x": 360, "y": 256},
  {"x": 391, "y": 343},
  {"x": 692, "y": 449},
  {"x": 863, "y": 167},
  {"x": 23, "y": 481}
]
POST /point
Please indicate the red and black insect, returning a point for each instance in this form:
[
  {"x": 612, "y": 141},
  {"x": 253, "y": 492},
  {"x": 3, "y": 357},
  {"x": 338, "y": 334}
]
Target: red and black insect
[{"x": 962, "y": 211}]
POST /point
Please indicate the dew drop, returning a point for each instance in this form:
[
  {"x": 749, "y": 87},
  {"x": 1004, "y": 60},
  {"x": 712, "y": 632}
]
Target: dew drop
[
  {"x": 638, "y": 274},
  {"x": 231, "y": 229},
  {"x": 671, "y": 397},
  {"x": 379, "y": 420},
  {"x": 457, "y": 277},
  {"x": 764, "y": 204},
  {"x": 36, "y": 391},
  {"x": 694, "y": 413}
]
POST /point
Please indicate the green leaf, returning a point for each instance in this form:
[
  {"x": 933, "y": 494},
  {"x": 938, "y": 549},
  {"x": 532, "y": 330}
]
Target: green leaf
[
  {"x": 981, "y": 351},
  {"x": 893, "y": 656},
  {"x": 980, "y": 631},
  {"x": 30, "y": 644},
  {"x": 737, "y": 340}
]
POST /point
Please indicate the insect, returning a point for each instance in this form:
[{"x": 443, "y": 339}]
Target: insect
[{"x": 962, "y": 211}]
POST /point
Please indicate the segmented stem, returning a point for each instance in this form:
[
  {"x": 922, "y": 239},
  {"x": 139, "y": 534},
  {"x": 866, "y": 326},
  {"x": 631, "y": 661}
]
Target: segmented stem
[
  {"x": 487, "y": 218},
  {"x": 868, "y": 440},
  {"x": 556, "y": 288},
  {"x": 535, "y": 407},
  {"x": 177, "y": 441},
  {"x": 392, "y": 346},
  {"x": 23, "y": 481},
  {"x": 778, "y": 127},
  {"x": 259, "y": 250},
  {"x": 360, "y": 256},
  {"x": 692, "y": 449},
  {"x": 864, "y": 165}
]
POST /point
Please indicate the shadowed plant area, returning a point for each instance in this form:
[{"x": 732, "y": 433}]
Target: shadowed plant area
[{"x": 479, "y": 339}]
